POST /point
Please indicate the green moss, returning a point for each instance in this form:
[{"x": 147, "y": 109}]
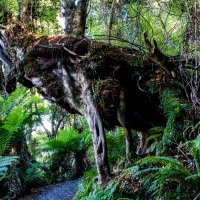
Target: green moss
[
  {"x": 106, "y": 96},
  {"x": 99, "y": 85},
  {"x": 135, "y": 61}
]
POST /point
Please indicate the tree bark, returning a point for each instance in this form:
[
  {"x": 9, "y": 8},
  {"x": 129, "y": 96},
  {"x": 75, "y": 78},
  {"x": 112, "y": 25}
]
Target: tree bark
[
  {"x": 26, "y": 11},
  {"x": 111, "y": 18},
  {"x": 65, "y": 70},
  {"x": 74, "y": 17},
  {"x": 98, "y": 137},
  {"x": 121, "y": 115},
  {"x": 79, "y": 164},
  {"x": 23, "y": 153}
]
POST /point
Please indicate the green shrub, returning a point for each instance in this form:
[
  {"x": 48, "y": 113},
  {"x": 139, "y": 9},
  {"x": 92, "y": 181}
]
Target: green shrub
[
  {"x": 176, "y": 111},
  {"x": 33, "y": 172}
]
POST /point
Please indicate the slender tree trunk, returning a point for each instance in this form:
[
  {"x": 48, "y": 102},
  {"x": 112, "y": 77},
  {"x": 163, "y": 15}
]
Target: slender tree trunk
[
  {"x": 80, "y": 164},
  {"x": 26, "y": 11},
  {"x": 89, "y": 110},
  {"x": 3, "y": 93},
  {"x": 74, "y": 17},
  {"x": 23, "y": 153},
  {"x": 99, "y": 144},
  {"x": 127, "y": 129},
  {"x": 111, "y": 18},
  {"x": 29, "y": 130},
  {"x": 95, "y": 123},
  {"x": 48, "y": 133}
]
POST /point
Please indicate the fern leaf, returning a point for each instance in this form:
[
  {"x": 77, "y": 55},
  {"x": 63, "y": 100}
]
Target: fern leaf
[
  {"x": 162, "y": 160},
  {"x": 6, "y": 161},
  {"x": 153, "y": 136}
]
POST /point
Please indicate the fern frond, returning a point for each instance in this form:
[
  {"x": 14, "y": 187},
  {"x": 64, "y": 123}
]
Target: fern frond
[
  {"x": 69, "y": 140},
  {"x": 55, "y": 145},
  {"x": 196, "y": 153},
  {"x": 112, "y": 191},
  {"x": 163, "y": 160},
  {"x": 12, "y": 123},
  {"x": 6, "y": 161},
  {"x": 131, "y": 170},
  {"x": 31, "y": 172},
  {"x": 3, "y": 169},
  {"x": 157, "y": 129},
  {"x": 116, "y": 145},
  {"x": 153, "y": 137},
  {"x": 146, "y": 171},
  {"x": 170, "y": 170},
  {"x": 197, "y": 197},
  {"x": 86, "y": 185}
]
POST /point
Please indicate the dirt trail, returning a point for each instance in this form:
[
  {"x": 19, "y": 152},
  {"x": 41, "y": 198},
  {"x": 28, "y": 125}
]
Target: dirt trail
[{"x": 61, "y": 191}]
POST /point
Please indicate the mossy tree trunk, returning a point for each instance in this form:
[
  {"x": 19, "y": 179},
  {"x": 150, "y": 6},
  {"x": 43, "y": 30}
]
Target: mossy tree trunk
[{"x": 71, "y": 71}]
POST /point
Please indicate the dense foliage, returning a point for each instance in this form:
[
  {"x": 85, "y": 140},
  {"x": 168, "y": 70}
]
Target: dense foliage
[{"x": 35, "y": 154}]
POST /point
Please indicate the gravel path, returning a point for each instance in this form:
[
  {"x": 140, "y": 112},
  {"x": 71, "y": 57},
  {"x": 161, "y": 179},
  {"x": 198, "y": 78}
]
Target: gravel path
[{"x": 61, "y": 191}]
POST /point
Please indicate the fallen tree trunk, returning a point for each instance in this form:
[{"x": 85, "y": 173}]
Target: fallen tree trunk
[{"x": 106, "y": 84}]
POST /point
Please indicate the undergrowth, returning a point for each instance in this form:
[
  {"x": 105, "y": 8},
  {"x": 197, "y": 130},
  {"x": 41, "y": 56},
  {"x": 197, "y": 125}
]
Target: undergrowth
[
  {"x": 86, "y": 186},
  {"x": 6, "y": 162},
  {"x": 167, "y": 178},
  {"x": 89, "y": 190},
  {"x": 178, "y": 120}
]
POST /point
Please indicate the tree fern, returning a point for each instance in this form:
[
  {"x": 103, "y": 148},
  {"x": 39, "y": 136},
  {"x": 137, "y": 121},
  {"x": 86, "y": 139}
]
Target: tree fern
[
  {"x": 13, "y": 116},
  {"x": 69, "y": 140},
  {"x": 69, "y": 152}
]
